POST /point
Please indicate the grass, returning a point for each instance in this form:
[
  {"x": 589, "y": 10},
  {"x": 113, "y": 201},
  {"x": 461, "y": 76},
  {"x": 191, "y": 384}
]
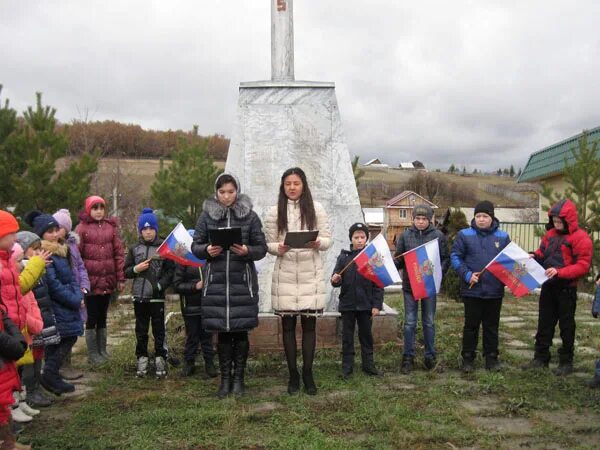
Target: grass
[{"x": 423, "y": 410}]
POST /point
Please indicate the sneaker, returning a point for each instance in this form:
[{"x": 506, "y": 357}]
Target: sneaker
[
  {"x": 38, "y": 399},
  {"x": 535, "y": 364},
  {"x": 563, "y": 370},
  {"x": 430, "y": 362},
  {"x": 407, "y": 365},
  {"x": 19, "y": 416},
  {"x": 28, "y": 409},
  {"x": 161, "y": 367},
  {"x": 142, "y": 366}
]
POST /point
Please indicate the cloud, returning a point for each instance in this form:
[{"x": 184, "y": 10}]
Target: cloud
[{"x": 477, "y": 83}]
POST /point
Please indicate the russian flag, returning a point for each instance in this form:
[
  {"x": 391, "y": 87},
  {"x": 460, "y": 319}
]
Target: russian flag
[
  {"x": 517, "y": 270},
  {"x": 178, "y": 247},
  {"x": 424, "y": 269},
  {"x": 376, "y": 263}
]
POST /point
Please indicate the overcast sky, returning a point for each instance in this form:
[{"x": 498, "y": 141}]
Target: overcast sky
[{"x": 477, "y": 83}]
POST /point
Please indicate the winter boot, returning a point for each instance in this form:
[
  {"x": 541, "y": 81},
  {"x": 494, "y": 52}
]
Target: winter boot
[
  {"x": 430, "y": 362},
  {"x": 142, "y": 367},
  {"x": 101, "y": 336},
  {"x": 209, "y": 368},
  {"x": 309, "y": 383},
  {"x": 225, "y": 351},
  {"x": 564, "y": 369},
  {"x": 37, "y": 399},
  {"x": 19, "y": 416},
  {"x": 293, "y": 382},
  {"x": 91, "y": 340},
  {"x": 535, "y": 364},
  {"x": 492, "y": 363},
  {"x": 407, "y": 365},
  {"x": 68, "y": 372},
  {"x": 240, "y": 357},
  {"x": 189, "y": 368},
  {"x": 161, "y": 367},
  {"x": 468, "y": 362}
]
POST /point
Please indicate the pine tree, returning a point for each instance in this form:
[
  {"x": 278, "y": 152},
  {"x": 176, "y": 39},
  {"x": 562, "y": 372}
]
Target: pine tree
[
  {"x": 511, "y": 171},
  {"x": 452, "y": 168},
  {"x": 180, "y": 189},
  {"x": 40, "y": 177}
]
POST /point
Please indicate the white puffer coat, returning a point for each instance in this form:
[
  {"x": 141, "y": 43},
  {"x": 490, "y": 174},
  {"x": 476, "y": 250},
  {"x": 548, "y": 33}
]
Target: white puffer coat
[{"x": 298, "y": 282}]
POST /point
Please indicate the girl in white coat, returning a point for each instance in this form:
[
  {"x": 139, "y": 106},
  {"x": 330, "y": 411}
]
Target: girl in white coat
[{"x": 298, "y": 287}]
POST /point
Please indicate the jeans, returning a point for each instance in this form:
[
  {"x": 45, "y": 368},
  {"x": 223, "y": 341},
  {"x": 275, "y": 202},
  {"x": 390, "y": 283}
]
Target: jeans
[
  {"x": 557, "y": 305},
  {"x": 485, "y": 312},
  {"x": 144, "y": 312},
  {"x": 411, "y": 310}
]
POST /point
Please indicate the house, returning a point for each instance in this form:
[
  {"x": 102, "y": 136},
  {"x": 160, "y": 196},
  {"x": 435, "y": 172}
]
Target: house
[
  {"x": 418, "y": 165},
  {"x": 375, "y": 163},
  {"x": 398, "y": 213},
  {"x": 374, "y": 219},
  {"x": 406, "y": 166},
  {"x": 547, "y": 165}
]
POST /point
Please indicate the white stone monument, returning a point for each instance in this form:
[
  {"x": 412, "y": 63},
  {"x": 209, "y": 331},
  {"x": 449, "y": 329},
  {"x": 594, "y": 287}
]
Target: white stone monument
[{"x": 284, "y": 123}]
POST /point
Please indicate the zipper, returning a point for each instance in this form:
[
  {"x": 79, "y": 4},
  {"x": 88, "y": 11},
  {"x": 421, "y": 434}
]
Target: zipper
[
  {"x": 207, "y": 278},
  {"x": 227, "y": 274},
  {"x": 144, "y": 284},
  {"x": 248, "y": 276}
]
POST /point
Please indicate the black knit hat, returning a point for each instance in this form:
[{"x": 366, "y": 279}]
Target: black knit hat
[
  {"x": 423, "y": 210},
  {"x": 484, "y": 207},
  {"x": 40, "y": 222},
  {"x": 358, "y": 227}
]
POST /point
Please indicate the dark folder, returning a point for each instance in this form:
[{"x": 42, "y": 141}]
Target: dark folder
[
  {"x": 225, "y": 237},
  {"x": 299, "y": 239}
]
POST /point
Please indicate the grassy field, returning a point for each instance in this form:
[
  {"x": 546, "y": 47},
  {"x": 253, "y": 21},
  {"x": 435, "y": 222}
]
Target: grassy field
[{"x": 440, "y": 410}]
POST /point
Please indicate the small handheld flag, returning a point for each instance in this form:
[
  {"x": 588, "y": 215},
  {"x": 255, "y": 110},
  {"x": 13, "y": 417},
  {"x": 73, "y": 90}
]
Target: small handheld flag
[
  {"x": 375, "y": 263},
  {"x": 178, "y": 247},
  {"x": 424, "y": 269}
]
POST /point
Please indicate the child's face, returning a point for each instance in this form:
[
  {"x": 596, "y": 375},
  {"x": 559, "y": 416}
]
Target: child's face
[
  {"x": 483, "y": 221},
  {"x": 62, "y": 233},
  {"x": 51, "y": 234},
  {"x": 359, "y": 240},
  {"x": 293, "y": 187},
  {"x": 7, "y": 241},
  {"x": 227, "y": 194},
  {"x": 421, "y": 222},
  {"x": 97, "y": 211},
  {"x": 558, "y": 223},
  {"x": 148, "y": 234}
]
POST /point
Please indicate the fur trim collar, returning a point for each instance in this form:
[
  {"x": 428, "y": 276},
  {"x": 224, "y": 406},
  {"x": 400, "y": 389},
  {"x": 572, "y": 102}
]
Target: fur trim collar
[
  {"x": 74, "y": 238},
  {"x": 56, "y": 248},
  {"x": 240, "y": 209}
]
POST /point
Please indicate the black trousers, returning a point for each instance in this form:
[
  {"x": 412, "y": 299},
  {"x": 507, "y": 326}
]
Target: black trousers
[
  {"x": 144, "y": 313},
  {"x": 481, "y": 312},
  {"x": 97, "y": 310},
  {"x": 365, "y": 337},
  {"x": 55, "y": 356},
  {"x": 557, "y": 305},
  {"x": 195, "y": 335}
]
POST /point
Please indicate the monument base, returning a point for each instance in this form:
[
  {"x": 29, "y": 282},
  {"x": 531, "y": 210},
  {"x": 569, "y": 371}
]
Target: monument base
[{"x": 268, "y": 335}]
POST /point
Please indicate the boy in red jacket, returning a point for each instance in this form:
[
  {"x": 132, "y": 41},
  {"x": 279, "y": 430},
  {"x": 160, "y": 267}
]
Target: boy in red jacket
[
  {"x": 566, "y": 254},
  {"x": 12, "y": 343}
]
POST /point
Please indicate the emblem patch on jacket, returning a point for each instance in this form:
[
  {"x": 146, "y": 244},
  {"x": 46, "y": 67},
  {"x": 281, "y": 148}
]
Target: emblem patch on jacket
[{"x": 497, "y": 243}]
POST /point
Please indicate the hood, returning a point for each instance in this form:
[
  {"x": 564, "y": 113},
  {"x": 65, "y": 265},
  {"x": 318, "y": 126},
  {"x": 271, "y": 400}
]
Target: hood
[
  {"x": 241, "y": 208},
  {"x": 74, "y": 238},
  {"x": 85, "y": 217},
  {"x": 567, "y": 211},
  {"x": 429, "y": 229},
  {"x": 56, "y": 248},
  {"x": 237, "y": 181}
]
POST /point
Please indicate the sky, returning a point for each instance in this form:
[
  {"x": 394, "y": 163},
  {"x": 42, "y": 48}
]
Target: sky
[{"x": 480, "y": 84}]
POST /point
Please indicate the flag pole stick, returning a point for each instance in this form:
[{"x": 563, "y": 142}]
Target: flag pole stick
[{"x": 345, "y": 268}]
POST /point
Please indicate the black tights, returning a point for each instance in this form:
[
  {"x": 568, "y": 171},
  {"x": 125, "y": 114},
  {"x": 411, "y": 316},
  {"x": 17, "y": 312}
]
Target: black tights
[{"x": 309, "y": 339}]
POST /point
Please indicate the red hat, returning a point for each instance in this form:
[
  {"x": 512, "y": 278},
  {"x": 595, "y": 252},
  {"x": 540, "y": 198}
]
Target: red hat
[
  {"x": 8, "y": 223},
  {"x": 91, "y": 201}
]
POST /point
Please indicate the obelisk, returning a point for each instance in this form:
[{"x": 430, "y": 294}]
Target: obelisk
[{"x": 282, "y": 123}]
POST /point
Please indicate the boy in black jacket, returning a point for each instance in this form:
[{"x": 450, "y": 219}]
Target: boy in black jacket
[
  {"x": 151, "y": 277},
  {"x": 360, "y": 300},
  {"x": 188, "y": 284}
]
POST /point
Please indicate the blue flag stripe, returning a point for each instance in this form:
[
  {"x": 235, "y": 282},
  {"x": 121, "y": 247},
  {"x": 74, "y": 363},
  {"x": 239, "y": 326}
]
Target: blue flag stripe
[
  {"x": 428, "y": 280},
  {"x": 526, "y": 278}
]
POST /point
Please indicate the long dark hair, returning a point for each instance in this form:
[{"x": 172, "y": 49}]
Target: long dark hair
[{"x": 308, "y": 216}]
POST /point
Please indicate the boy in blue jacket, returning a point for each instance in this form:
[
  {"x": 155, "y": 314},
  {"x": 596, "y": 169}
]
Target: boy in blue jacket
[
  {"x": 595, "y": 382},
  {"x": 482, "y": 293},
  {"x": 360, "y": 300}
]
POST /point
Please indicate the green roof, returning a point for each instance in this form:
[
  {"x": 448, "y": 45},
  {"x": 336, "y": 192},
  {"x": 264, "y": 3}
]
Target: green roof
[{"x": 551, "y": 160}]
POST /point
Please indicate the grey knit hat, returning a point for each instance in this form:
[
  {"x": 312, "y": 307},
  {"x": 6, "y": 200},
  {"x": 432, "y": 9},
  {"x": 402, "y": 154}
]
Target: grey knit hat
[
  {"x": 423, "y": 210},
  {"x": 26, "y": 239}
]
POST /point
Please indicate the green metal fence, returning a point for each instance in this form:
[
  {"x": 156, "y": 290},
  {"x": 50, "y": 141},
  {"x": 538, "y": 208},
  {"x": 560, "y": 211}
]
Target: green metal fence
[{"x": 524, "y": 234}]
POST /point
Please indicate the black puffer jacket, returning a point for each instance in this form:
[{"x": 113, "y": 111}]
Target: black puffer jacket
[
  {"x": 413, "y": 238},
  {"x": 42, "y": 297},
  {"x": 230, "y": 296},
  {"x": 357, "y": 293},
  {"x": 185, "y": 280},
  {"x": 151, "y": 283}
]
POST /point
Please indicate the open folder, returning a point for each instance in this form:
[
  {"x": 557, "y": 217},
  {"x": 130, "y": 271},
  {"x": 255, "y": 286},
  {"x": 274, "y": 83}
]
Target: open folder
[
  {"x": 225, "y": 237},
  {"x": 299, "y": 239}
]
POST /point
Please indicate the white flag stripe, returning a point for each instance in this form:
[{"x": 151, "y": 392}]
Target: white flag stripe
[
  {"x": 433, "y": 252},
  {"x": 516, "y": 253},
  {"x": 383, "y": 249},
  {"x": 182, "y": 236}
]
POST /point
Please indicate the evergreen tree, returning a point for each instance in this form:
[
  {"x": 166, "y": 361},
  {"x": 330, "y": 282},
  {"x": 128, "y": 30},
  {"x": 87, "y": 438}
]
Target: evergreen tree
[
  {"x": 499, "y": 172},
  {"x": 451, "y": 282},
  {"x": 511, "y": 171},
  {"x": 33, "y": 159},
  {"x": 357, "y": 171},
  {"x": 452, "y": 168},
  {"x": 180, "y": 189},
  {"x": 519, "y": 172}
]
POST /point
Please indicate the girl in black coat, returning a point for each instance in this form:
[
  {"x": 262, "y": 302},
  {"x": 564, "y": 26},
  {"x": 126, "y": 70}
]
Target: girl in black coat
[{"x": 230, "y": 294}]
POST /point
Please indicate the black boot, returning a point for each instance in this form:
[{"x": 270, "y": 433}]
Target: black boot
[
  {"x": 347, "y": 365},
  {"x": 468, "y": 362},
  {"x": 209, "y": 368},
  {"x": 293, "y": 382},
  {"x": 225, "y": 351},
  {"x": 535, "y": 364},
  {"x": 407, "y": 365},
  {"x": 240, "y": 356},
  {"x": 565, "y": 366},
  {"x": 492, "y": 363},
  {"x": 189, "y": 368},
  {"x": 309, "y": 383}
]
